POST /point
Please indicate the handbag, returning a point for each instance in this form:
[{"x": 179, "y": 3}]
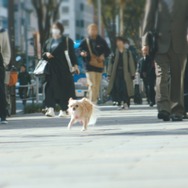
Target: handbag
[
  {"x": 94, "y": 60},
  {"x": 71, "y": 68},
  {"x": 40, "y": 68}
]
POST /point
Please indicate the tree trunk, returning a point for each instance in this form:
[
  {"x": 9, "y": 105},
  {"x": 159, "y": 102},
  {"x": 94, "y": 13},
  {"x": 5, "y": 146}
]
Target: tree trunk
[{"x": 121, "y": 12}]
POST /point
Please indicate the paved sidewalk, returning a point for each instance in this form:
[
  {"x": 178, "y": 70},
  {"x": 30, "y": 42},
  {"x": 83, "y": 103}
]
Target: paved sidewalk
[{"x": 126, "y": 149}]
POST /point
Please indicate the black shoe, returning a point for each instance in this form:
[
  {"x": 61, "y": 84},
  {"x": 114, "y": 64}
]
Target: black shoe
[
  {"x": 164, "y": 115},
  {"x": 185, "y": 116},
  {"x": 152, "y": 104},
  {"x": 176, "y": 117}
]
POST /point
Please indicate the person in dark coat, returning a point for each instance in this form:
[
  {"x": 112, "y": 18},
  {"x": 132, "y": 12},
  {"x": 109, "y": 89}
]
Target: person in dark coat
[
  {"x": 186, "y": 91},
  {"x": 101, "y": 50},
  {"x": 121, "y": 73},
  {"x": 60, "y": 84},
  {"x": 24, "y": 79},
  {"x": 5, "y": 55},
  {"x": 168, "y": 20},
  {"x": 147, "y": 73}
]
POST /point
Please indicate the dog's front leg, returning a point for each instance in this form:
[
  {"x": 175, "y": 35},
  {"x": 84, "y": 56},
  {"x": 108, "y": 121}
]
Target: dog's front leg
[
  {"x": 85, "y": 123},
  {"x": 71, "y": 123}
]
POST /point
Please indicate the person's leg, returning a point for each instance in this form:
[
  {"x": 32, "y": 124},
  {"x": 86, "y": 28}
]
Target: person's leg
[
  {"x": 25, "y": 89},
  {"x": 145, "y": 81},
  {"x": 2, "y": 97},
  {"x": 162, "y": 83},
  {"x": 91, "y": 81},
  {"x": 152, "y": 80},
  {"x": 177, "y": 68},
  {"x": 98, "y": 78},
  {"x": 49, "y": 98},
  {"x": 50, "y": 102},
  {"x": 64, "y": 104}
]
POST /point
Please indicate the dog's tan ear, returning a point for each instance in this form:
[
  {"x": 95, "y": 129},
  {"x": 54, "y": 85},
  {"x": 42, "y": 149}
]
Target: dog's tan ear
[
  {"x": 70, "y": 99},
  {"x": 84, "y": 99}
]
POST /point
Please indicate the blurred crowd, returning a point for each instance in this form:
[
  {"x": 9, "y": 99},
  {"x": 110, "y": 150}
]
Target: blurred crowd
[{"x": 161, "y": 68}]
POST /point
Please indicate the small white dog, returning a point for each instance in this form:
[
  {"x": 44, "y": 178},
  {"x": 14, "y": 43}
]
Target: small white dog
[{"x": 82, "y": 111}]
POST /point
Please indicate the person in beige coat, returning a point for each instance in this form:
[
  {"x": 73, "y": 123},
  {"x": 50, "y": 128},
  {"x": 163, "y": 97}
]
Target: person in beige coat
[
  {"x": 5, "y": 55},
  {"x": 169, "y": 19},
  {"x": 121, "y": 72}
]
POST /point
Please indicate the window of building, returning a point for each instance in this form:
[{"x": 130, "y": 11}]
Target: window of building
[
  {"x": 77, "y": 23},
  {"x": 65, "y": 10},
  {"x": 81, "y": 23},
  {"x": 81, "y": 6},
  {"x": 65, "y": 23}
]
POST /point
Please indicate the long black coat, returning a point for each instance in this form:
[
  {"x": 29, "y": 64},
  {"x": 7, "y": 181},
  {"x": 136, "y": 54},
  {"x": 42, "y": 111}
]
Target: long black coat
[{"x": 60, "y": 80}]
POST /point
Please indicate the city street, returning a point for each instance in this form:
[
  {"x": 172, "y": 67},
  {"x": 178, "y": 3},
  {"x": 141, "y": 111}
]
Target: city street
[{"x": 125, "y": 149}]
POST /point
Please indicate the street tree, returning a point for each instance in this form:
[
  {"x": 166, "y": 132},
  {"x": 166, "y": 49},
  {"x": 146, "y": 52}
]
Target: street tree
[
  {"x": 129, "y": 14},
  {"x": 47, "y": 12}
]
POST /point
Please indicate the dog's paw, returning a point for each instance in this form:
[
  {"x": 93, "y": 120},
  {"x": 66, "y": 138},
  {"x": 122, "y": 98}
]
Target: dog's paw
[
  {"x": 83, "y": 129},
  {"x": 69, "y": 128}
]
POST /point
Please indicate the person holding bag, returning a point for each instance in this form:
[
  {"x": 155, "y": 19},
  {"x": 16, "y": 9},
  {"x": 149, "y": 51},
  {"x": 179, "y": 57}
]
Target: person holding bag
[
  {"x": 94, "y": 50},
  {"x": 5, "y": 55},
  {"x": 59, "y": 52}
]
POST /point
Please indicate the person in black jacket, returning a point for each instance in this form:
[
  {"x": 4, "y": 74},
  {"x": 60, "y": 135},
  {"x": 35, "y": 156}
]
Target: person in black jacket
[
  {"x": 147, "y": 73},
  {"x": 101, "y": 50},
  {"x": 60, "y": 84},
  {"x": 5, "y": 55},
  {"x": 24, "y": 79}
]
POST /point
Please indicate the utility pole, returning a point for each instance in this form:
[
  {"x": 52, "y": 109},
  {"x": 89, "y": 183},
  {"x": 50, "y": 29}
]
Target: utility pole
[
  {"x": 99, "y": 16},
  {"x": 12, "y": 45},
  {"x": 122, "y": 8}
]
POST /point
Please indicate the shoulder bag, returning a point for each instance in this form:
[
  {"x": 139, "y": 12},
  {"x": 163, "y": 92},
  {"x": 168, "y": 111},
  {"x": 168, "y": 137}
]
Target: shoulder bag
[
  {"x": 94, "y": 61},
  {"x": 71, "y": 68}
]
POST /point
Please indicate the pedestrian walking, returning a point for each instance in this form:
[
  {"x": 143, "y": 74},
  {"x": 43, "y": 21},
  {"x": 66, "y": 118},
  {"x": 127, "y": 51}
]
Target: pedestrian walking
[
  {"x": 60, "y": 84},
  {"x": 5, "y": 55},
  {"x": 186, "y": 91},
  {"x": 94, "y": 50},
  {"x": 168, "y": 20},
  {"x": 121, "y": 73},
  {"x": 147, "y": 73},
  {"x": 24, "y": 79}
]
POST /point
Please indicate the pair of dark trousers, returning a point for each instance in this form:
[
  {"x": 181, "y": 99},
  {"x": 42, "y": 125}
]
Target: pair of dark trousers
[
  {"x": 2, "y": 94},
  {"x": 23, "y": 94},
  {"x": 170, "y": 69},
  {"x": 50, "y": 100}
]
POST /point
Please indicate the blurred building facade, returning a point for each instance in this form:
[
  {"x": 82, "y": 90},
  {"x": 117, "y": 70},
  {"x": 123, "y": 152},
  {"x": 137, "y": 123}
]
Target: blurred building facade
[
  {"x": 4, "y": 13},
  {"x": 76, "y": 15}
]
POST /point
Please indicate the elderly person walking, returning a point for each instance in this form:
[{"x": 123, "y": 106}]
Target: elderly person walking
[
  {"x": 92, "y": 48},
  {"x": 5, "y": 55},
  {"x": 121, "y": 73}
]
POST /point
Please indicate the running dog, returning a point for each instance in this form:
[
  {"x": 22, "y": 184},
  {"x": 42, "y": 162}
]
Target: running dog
[{"x": 82, "y": 111}]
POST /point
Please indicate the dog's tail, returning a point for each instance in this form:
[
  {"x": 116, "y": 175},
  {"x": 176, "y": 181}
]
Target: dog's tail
[{"x": 94, "y": 115}]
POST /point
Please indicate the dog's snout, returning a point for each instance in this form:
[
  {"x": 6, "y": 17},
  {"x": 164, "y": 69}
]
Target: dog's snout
[{"x": 74, "y": 109}]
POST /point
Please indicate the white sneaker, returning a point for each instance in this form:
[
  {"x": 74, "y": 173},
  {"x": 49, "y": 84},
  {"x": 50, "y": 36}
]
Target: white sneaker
[
  {"x": 119, "y": 108},
  {"x": 4, "y": 122},
  {"x": 50, "y": 112},
  {"x": 125, "y": 106},
  {"x": 62, "y": 113}
]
